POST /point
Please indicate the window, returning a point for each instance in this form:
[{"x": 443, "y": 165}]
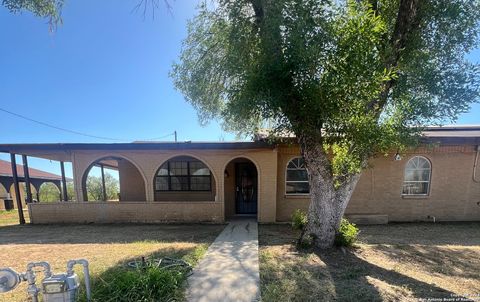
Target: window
[
  {"x": 186, "y": 174},
  {"x": 297, "y": 177},
  {"x": 417, "y": 176}
]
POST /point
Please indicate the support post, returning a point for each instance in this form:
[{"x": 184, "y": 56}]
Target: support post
[
  {"x": 26, "y": 174},
  {"x": 64, "y": 182},
  {"x": 13, "y": 162},
  {"x": 104, "y": 190},
  {"x": 175, "y": 132}
]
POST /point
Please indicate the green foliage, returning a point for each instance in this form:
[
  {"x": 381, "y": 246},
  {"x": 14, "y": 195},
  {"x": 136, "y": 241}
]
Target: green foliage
[
  {"x": 71, "y": 191},
  {"x": 95, "y": 190},
  {"x": 347, "y": 234},
  {"x": 299, "y": 219},
  {"x": 150, "y": 284},
  {"x": 331, "y": 71},
  {"x": 50, "y": 9},
  {"x": 49, "y": 192}
]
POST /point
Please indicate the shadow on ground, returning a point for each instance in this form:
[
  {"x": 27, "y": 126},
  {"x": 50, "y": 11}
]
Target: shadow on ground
[
  {"x": 384, "y": 267},
  {"x": 355, "y": 279},
  {"x": 106, "y": 233}
]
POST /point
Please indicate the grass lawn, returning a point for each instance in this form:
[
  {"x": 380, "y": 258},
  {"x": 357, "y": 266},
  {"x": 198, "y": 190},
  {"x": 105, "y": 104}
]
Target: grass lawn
[
  {"x": 11, "y": 217},
  {"x": 396, "y": 262},
  {"x": 106, "y": 247}
]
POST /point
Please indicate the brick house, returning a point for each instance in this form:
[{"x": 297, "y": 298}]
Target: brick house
[{"x": 215, "y": 181}]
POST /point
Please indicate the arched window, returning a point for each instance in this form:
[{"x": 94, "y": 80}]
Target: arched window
[
  {"x": 296, "y": 181},
  {"x": 418, "y": 172},
  {"x": 183, "y": 174}
]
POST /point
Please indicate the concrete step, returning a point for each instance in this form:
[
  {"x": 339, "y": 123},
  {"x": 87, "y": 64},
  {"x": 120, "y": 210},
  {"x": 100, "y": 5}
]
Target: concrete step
[{"x": 366, "y": 219}]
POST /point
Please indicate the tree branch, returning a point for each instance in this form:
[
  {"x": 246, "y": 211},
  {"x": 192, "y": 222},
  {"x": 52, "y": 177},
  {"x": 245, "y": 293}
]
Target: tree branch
[{"x": 406, "y": 23}]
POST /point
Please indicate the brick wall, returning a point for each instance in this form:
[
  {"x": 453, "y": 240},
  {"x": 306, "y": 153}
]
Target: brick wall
[
  {"x": 124, "y": 212},
  {"x": 148, "y": 162},
  {"x": 453, "y": 193},
  {"x": 132, "y": 186}
]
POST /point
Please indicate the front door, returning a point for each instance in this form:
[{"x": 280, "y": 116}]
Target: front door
[{"x": 245, "y": 188}]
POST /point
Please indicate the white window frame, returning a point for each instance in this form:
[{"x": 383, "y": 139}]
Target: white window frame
[
  {"x": 294, "y": 181},
  {"x": 429, "y": 181}
]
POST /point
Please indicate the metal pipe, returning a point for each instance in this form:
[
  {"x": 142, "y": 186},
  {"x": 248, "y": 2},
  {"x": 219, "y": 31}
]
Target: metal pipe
[
  {"x": 86, "y": 273},
  {"x": 13, "y": 162},
  {"x": 26, "y": 176},
  {"x": 64, "y": 182},
  {"x": 46, "y": 266},
  {"x": 104, "y": 190},
  {"x": 475, "y": 165},
  {"x": 30, "y": 277}
]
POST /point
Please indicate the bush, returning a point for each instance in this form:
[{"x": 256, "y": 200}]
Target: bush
[
  {"x": 151, "y": 284},
  {"x": 347, "y": 234},
  {"x": 148, "y": 282},
  {"x": 299, "y": 220}
]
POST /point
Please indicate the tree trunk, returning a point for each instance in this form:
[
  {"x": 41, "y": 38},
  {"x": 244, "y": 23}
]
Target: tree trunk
[{"x": 328, "y": 202}]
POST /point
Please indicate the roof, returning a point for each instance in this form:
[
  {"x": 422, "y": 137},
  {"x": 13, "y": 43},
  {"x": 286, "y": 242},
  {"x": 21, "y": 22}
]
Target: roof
[
  {"x": 452, "y": 134},
  {"x": 452, "y": 131},
  {"x": 137, "y": 146},
  {"x": 445, "y": 135},
  {"x": 6, "y": 170},
  {"x": 63, "y": 152}
]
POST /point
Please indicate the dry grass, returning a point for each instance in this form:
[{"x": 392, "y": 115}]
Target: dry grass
[
  {"x": 397, "y": 262},
  {"x": 104, "y": 246},
  {"x": 11, "y": 217}
]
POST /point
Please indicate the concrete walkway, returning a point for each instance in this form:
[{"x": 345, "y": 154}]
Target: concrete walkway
[{"x": 229, "y": 271}]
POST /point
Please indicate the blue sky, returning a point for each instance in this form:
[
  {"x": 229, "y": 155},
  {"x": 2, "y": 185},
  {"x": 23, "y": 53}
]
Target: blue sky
[{"x": 103, "y": 72}]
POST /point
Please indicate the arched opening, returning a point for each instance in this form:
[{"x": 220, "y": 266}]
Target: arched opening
[
  {"x": 3, "y": 192},
  {"x": 3, "y": 195},
  {"x": 241, "y": 188},
  {"x": 48, "y": 192},
  {"x": 113, "y": 179},
  {"x": 23, "y": 193},
  {"x": 184, "y": 178},
  {"x": 417, "y": 176}
]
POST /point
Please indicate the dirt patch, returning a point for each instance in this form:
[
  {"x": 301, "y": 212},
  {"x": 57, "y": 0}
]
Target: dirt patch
[{"x": 403, "y": 262}]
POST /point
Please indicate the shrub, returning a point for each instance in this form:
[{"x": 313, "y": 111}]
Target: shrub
[
  {"x": 150, "y": 284},
  {"x": 347, "y": 234},
  {"x": 299, "y": 219}
]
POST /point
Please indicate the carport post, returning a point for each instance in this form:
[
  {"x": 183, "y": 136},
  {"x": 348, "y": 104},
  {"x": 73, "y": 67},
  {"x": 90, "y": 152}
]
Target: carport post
[
  {"x": 13, "y": 161},
  {"x": 64, "y": 182},
  {"x": 26, "y": 174},
  {"x": 104, "y": 190}
]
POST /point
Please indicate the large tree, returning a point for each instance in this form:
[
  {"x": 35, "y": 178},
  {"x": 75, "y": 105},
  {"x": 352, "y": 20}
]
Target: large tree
[{"x": 351, "y": 80}]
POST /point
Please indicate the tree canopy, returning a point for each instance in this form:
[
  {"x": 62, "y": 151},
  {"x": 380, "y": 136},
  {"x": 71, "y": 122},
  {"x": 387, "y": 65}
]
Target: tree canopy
[
  {"x": 49, "y": 192},
  {"x": 351, "y": 79},
  {"x": 95, "y": 189},
  {"x": 357, "y": 75},
  {"x": 50, "y": 9}
]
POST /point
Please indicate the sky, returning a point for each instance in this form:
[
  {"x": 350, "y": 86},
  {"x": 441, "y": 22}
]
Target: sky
[{"x": 103, "y": 72}]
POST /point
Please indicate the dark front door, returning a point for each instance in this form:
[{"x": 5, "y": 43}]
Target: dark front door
[{"x": 245, "y": 188}]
